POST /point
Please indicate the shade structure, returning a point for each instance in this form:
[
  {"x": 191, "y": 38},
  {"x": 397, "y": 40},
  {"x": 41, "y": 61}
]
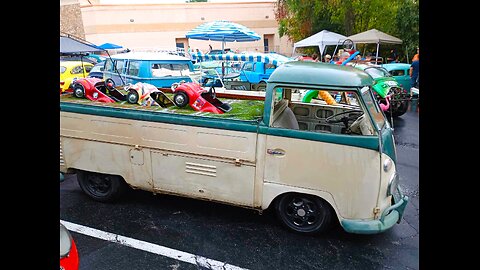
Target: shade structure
[
  {"x": 70, "y": 45},
  {"x": 321, "y": 39},
  {"x": 224, "y": 31},
  {"x": 110, "y": 46},
  {"x": 272, "y": 58},
  {"x": 374, "y": 36}
]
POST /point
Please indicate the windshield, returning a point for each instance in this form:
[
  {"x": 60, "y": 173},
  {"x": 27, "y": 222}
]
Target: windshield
[
  {"x": 377, "y": 72},
  {"x": 372, "y": 107}
]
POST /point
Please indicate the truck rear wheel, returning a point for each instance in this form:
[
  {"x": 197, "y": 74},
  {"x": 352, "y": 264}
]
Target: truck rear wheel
[
  {"x": 101, "y": 187},
  {"x": 303, "y": 213}
]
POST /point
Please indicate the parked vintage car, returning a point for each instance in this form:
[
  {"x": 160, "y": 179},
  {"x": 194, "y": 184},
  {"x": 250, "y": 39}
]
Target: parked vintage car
[
  {"x": 400, "y": 71},
  {"x": 388, "y": 91},
  {"x": 97, "y": 71},
  {"x": 70, "y": 70},
  {"x": 158, "y": 69}
]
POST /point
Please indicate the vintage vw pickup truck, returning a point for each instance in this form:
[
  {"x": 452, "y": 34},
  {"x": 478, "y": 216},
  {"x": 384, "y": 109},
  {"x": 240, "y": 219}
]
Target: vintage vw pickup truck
[{"x": 311, "y": 162}]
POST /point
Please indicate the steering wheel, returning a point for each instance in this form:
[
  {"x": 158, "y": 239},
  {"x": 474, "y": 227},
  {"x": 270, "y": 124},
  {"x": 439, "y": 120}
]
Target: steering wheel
[
  {"x": 110, "y": 84},
  {"x": 345, "y": 119},
  {"x": 212, "y": 92},
  {"x": 348, "y": 44}
]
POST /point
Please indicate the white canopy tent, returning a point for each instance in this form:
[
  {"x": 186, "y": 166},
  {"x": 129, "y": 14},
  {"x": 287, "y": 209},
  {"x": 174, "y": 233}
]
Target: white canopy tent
[
  {"x": 376, "y": 37},
  {"x": 320, "y": 39}
]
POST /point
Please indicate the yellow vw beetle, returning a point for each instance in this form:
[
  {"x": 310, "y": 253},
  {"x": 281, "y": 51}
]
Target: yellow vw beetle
[{"x": 72, "y": 69}]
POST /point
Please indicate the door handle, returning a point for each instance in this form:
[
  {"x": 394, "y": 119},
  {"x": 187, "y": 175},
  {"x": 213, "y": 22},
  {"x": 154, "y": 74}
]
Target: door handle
[{"x": 276, "y": 152}]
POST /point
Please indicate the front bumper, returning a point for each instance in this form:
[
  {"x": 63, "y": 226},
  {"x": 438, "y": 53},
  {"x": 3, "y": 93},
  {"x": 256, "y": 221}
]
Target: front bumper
[{"x": 389, "y": 217}]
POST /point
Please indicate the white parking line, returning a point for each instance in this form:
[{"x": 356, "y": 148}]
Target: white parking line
[{"x": 149, "y": 247}]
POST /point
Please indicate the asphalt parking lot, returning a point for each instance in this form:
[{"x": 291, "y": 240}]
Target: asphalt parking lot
[{"x": 147, "y": 231}]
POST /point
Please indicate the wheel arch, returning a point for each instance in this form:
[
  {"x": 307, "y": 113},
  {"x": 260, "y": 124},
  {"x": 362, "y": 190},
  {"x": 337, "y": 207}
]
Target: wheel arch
[{"x": 273, "y": 192}]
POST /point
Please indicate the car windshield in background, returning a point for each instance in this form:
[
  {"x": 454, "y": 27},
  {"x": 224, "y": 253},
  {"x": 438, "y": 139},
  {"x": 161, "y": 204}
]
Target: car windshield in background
[
  {"x": 372, "y": 106},
  {"x": 377, "y": 72}
]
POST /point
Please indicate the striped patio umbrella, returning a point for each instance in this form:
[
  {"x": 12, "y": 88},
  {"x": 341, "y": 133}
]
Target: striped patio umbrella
[
  {"x": 275, "y": 59},
  {"x": 223, "y": 31}
]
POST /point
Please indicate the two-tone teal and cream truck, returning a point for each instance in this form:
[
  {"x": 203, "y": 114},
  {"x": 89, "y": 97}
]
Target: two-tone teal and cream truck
[{"x": 311, "y": 162}]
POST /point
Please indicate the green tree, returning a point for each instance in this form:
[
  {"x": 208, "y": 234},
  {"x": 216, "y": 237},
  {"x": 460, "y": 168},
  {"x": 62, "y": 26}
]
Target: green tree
[
  {"x": 299, "y": 19},
  {"x": 407, "y": 25}
]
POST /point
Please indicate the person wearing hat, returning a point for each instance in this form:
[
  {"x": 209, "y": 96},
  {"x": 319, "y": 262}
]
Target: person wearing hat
[{"x": 327, "y": 58}]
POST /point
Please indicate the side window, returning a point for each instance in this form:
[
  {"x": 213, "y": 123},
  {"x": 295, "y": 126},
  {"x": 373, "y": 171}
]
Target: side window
[
  {"x": 164, "y": 70},
  {"x": 109, "y": 65},
  {"x": 333, "y": 111},
  {"x": 120, "y": 66},
  {"x": 248, "y": 66},
  {"x": 133, "y": 68},
  {"x": 270, "y": 66},
  {"x": 399, "y": 72},
  {"x": 76, "y": 70}
]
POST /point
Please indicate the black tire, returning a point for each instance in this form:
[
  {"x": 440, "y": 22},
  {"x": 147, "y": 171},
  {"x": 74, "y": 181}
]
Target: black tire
[
  {"x": 132, "y": 97},
  {"x": 180, "y": 99},
  {"x": 262, "y": 86},
  {"x": 101, "y": 187},
  {"x": 78, "y": 91},
  {"x": 400, "y": 110},
  {"x": 303, "y": 213}
]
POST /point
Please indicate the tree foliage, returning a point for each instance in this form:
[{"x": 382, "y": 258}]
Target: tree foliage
[{"x": 299, "y": 19}]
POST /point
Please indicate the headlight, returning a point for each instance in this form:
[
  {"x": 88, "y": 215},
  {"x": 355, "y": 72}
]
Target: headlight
[
  {"x": 392, "y": 184},
  {"x": 65, "y": 241},
  {"x": 387, "y": 164}
]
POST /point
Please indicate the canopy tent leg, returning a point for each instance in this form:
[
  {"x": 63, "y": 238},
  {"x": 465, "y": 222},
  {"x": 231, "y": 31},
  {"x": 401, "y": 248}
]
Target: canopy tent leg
[
  {"x": 406, "y": 52},
  {"x": 376, "y": 56}
]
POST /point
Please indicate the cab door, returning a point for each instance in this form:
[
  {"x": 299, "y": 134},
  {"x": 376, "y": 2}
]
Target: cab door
[{"x": 207, "y": 163}]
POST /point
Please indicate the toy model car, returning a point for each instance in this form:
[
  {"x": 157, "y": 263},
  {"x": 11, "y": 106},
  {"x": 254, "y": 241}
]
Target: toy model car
[
  {"x": 146, "y": 94},
  {"x": 198, "y": 98},
  {"x": 68, "y": 250},
  {"x": 92, "y": 88}
]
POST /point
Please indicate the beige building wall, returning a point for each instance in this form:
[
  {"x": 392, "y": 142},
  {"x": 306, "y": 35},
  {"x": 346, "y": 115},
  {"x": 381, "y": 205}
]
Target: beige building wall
[
  {"x": 71, "y": 18},
  {"x": 160, "y": 26}
]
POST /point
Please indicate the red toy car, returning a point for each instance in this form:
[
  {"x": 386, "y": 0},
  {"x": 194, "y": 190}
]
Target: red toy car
[
  {"x": 68, "y": 250},
  {"x": 91, "y": 88},
  {"x": 198, "y": 98}
]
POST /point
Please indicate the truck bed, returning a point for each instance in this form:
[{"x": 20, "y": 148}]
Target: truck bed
[{"x": 242, "y": 109}]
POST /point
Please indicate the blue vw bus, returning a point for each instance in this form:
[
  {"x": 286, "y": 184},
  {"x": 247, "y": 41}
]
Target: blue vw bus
[{"x": 159, "y": 69}]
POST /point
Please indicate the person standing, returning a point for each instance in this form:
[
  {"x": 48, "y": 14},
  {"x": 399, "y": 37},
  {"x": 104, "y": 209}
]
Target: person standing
[
  {"x": 327, "y": 58},
  {"x": 415, "y": 57},
  {"x": 414, "y": 71}
]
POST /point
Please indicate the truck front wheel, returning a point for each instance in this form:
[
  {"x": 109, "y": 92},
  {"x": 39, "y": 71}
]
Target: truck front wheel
[
  {"x": 303, "y": 213},
  {"x": 101, "y": 187}
]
